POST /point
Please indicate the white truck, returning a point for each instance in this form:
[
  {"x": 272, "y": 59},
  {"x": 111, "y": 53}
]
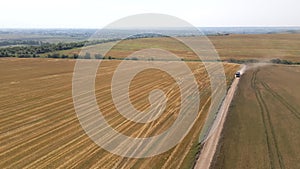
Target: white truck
[{"x": 237, "y": 74}]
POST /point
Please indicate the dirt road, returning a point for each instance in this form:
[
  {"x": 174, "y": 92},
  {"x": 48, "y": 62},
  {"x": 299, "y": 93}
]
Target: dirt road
[{"x": 210, "y": 145}]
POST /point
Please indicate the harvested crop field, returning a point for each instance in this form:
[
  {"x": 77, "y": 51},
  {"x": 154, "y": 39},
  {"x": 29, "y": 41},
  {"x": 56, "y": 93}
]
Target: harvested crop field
[
  {"x": 260, "y": 47},
  {"x": 39, "y": 127},
  {"x": 262, "y": 127}
]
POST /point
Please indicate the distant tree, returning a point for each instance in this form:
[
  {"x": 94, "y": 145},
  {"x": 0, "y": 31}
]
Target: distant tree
[
  {"x": 87, "y": 55},
  {"x": 286, "y": 62},
  {"x": 2, "y": 54},
  {"x": 98, "y": 56},
  {"x": 75, "y": 56},
  {"x": 24, "y": 56},
  {"x": 64, "y": 56},
  {"x": 54, "y": 55},
  {"x": 276, "y": 61},
  {"x": 279, "y": 61}
]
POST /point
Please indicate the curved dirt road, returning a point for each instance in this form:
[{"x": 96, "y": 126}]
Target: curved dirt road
[{"x": 211, "y": 143}]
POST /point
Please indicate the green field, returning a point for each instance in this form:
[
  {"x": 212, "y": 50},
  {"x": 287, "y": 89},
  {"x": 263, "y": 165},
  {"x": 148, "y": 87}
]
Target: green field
[{"x": 262, "y": 127}]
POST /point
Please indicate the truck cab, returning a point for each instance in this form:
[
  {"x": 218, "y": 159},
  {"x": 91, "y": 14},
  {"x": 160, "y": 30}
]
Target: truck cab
[{"x": 237, "y": 74}]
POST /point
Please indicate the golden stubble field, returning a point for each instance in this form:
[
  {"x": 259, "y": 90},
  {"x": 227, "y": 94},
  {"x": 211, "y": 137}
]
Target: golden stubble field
[
  {"x": 262, "y": 127},
  {"x": 39, "y": 127},
  {"x": 262, "y": 47}
]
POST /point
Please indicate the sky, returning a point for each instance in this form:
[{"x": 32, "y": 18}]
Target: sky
[{"x": 99, "y": 13}]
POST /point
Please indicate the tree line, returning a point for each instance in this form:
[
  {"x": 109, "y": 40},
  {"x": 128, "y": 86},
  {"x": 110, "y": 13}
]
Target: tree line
[
  {"x": 286, "y": 62},
  {"x": 36, "y": 51},
  {"x": 21, "y": 42},
  {"x": 275, "y": 61},
  {"x": 88, "y": 56},
  {"x": 37, "y": 48}
]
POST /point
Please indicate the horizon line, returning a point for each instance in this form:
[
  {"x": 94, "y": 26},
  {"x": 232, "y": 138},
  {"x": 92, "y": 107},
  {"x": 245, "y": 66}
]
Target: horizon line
[{"x": 254, "y": 26}]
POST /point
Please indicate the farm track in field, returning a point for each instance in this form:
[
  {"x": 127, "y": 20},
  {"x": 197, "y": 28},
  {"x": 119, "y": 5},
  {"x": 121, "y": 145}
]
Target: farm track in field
[
  {"x": 274, "y": 152},
  {"x": 292, "y": 109}
]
